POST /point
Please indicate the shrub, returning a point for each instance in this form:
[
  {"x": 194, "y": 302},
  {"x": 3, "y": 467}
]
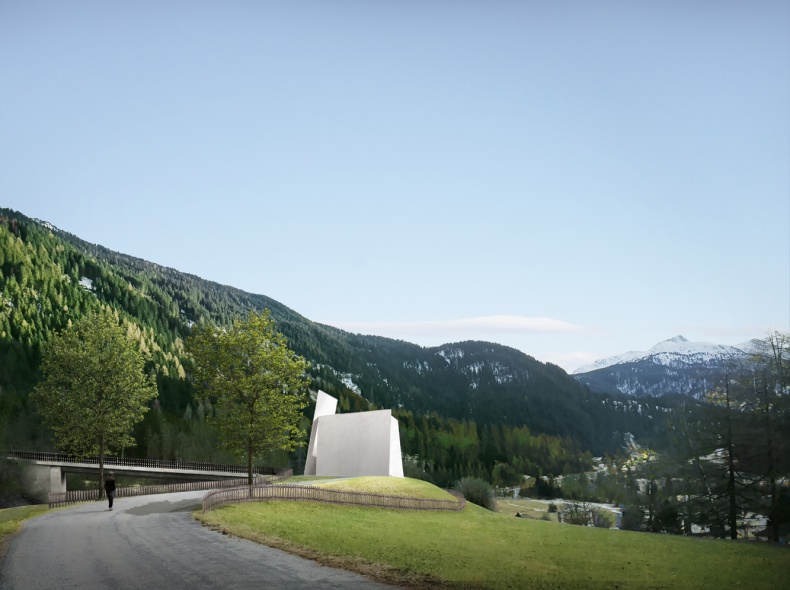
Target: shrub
[
  {"x": 581, "y": 513},
  {"x": 546, "y": 489},
  {"x": 576, "y": 513},
  {"x": 552, "y": 507},
  {"x": 477, "y": 491},
  {"x": 540, "y": 489},
  {"x": 415, "y": 471},
  {"x": 600, "y": 519},
  {"x": 504, "y": 475},
  {"x": 632, "y": 518},
  {"x": 667, "y": 519}
]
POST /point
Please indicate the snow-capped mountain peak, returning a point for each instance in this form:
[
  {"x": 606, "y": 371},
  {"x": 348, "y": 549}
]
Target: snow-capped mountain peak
[
  {"x": 625, "y": 357},
  {"x": 675, "y": 351},
  {"x": 671, "y": 366}
]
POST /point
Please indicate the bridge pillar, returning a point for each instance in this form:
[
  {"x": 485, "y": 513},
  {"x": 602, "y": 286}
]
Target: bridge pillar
[
  {"x": 39, "y": 480},
  {"x": 57, "y": 479}
]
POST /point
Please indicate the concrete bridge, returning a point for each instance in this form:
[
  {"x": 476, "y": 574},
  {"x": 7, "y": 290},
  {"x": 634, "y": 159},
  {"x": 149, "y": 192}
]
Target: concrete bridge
[{"x": 43, "y": 473}]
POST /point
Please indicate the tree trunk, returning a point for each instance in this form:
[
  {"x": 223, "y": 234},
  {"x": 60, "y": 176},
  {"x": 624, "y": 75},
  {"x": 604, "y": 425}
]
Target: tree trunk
[
  {"x": 770, "y": 468},
  {"x": 709, "y": 496},
  {"x": 101, "y": 468},
  {"x": 732, "y": 512},
  {"x": 651, "y": 493},
  {"x": 249, "y": 468}
]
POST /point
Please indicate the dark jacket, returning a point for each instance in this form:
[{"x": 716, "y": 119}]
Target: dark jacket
[{"x": 109, "y": 486}]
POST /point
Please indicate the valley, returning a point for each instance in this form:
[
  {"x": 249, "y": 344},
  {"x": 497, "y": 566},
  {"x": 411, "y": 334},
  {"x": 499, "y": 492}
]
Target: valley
[{"x": 465, "y": 409}]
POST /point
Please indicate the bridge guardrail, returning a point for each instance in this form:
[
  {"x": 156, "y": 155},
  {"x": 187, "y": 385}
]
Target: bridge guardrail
[
  {"x": 317, "y": 494},
  {"x": 132, "y": 462}
]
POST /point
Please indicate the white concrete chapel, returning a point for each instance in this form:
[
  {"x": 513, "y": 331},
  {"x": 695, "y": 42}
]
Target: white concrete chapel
[{"x": 365, "y": 443}]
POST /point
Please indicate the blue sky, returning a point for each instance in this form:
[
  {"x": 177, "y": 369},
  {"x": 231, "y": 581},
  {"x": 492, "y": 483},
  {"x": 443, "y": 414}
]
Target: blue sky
[{"x": 573, "y": 179}]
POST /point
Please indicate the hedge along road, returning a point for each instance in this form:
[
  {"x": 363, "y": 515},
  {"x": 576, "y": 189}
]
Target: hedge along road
[{"x": 152, "y": 542}]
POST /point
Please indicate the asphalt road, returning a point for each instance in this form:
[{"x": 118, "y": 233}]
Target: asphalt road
[{"x": 152, "y": 542}]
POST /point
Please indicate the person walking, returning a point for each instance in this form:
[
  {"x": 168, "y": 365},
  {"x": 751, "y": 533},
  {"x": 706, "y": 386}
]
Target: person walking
[{"x": 109, "y": 487}]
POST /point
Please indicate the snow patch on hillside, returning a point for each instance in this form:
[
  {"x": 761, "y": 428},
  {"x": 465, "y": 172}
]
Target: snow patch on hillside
[
  {"x": 348, "y": 381},
  {"x": 502, "y": 373},
  {"x": 420, "y": 367},
  {"x": 46, "y": 224},
  {"x": 475, "y": 368},
  {"x": 451, "y": 354}
]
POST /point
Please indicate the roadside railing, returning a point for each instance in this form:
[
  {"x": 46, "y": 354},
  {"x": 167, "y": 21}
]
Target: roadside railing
[
  {"x": 57, "y": 499},
  {"x": 131, "y": 462},
  {"x": 317, "y": 494}
]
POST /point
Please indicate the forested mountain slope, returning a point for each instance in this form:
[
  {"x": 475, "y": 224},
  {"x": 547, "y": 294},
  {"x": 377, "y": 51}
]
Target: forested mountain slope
[{"x": 50, "y": 277}]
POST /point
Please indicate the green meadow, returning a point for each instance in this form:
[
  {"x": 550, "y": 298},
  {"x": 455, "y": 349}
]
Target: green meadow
[
  {"x": 11, "y": 519},
  {"x": 390, "y": 486},
  {"x": 482, "y": 549}
]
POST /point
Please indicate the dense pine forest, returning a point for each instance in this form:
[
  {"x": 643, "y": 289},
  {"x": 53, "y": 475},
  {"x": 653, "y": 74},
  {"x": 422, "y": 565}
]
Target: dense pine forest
[{"x": 469, "y": 408}]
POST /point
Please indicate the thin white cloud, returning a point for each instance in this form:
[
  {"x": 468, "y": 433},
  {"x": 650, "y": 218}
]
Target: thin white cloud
[
  {"x": 715, "y": 332},
  {"x": 467, "y": 328}
]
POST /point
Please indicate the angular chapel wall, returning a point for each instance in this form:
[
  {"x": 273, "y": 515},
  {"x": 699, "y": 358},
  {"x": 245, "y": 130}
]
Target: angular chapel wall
[{"x": 364, "y": 443}]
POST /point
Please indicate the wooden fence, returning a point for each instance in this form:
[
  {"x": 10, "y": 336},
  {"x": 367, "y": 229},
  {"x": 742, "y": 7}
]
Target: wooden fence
[
  {"x": 317, "y": 494},
  {"x": 76, "y": 496}
]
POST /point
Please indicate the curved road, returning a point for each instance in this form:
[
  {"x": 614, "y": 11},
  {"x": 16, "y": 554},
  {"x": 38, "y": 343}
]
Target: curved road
[{"x": 152, "y": 542}]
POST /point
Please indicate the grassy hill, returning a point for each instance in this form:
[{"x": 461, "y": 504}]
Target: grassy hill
[
  {"x": 390, "y": 486},
  {"x": 482, "y": 549}
]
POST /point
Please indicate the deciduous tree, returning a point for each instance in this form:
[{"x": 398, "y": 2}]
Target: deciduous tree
[
  {"x": 256, "y": 383},
  {"x": 93, "y": 389}
]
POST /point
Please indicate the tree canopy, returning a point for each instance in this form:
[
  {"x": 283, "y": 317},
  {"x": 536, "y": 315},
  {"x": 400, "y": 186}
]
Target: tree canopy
[
  {"x": 256, "y": 383},
  {"x": 93, "y": 388}
]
